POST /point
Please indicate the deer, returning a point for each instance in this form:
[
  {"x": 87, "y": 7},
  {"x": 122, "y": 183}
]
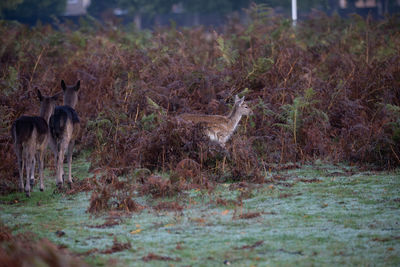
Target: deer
[
  {"x": 220, "y": 128},
  {"x": 64, "y": 128},
  {"x": 30, "y": 136}
]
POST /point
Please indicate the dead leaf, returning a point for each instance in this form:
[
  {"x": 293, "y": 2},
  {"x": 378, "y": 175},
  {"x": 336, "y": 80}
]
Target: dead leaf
[
  {"x": 136, "y": 231},
  {"x": 60, "y": 233},
  {"x": 225, "y": 212}
]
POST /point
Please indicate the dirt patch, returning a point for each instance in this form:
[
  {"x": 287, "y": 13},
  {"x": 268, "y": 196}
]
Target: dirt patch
[
  {"x": 314, "y": 180},
  {"x": 225, "y": 202},
  {"x": 278, "y": 177},
  {"x": 116, "y": 247},
  {"x": 155, "y": 257},
  {"x": 285, "y": 195},
  {"x": 159, "y": 187},
  {"x": 168, "y": 206},
  {"x": 248, "y": 215},
  {"x": 240, "y": 185},
  {"x": 113, "y": 219},
  {"x": 386, "y": 239},
  {"x": 256, "y": 244}
]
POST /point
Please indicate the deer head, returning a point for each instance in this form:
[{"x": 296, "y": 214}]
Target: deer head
[
  {"x": 47, "y": 104},
  {"x": 70, "y": 93},
  {"x": 241, "y": 107}
]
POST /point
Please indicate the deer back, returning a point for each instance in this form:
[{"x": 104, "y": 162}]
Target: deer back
[
  {"x": 63, "y": 115},
  {"x": 23, "y": 127}
]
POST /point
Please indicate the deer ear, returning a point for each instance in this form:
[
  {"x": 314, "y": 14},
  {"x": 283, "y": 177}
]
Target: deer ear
[
  {"x": 236, "y": 98},
  {"x": 63, "y": 86},
  {"x": 78, "y": 85},
  {"x": 241, "y": 100},
  {"x": 39, "y": 94}
]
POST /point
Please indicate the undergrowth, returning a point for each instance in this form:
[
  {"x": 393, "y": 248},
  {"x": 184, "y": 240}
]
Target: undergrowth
[{"x": 327, "y": 89}]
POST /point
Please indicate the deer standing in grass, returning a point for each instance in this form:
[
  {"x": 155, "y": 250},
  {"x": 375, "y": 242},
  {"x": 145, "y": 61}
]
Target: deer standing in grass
[
  {"x": 30, "y": 135},
  {"x": 220, "y": 128},
  {"x": 64, "y": 128}
]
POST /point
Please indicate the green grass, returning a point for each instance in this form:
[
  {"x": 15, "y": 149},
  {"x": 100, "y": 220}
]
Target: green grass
[{"x": 342, "y": 219}]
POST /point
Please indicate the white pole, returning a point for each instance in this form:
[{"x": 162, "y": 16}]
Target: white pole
[{"x": 294, "y": 12}]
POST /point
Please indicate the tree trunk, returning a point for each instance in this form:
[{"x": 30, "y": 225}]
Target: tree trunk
[{"x": 137, "y": 20}]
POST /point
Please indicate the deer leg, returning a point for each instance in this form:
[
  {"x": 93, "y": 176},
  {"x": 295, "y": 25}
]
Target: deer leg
[
  {"x": 20, "y": 162},
  {"x": 53, "y": 148},
  {"x": 57, "y": 159},
  {"x": 32, "y": 178},
  {"x": 22, "y": 175},
  {"x": 41, "y": 168},
  {"x": 29, "y": 161},
  {"x": 60, "y": 161},
  {"x": 28, "y": 185},
  {"x": 69, "y": 158}
]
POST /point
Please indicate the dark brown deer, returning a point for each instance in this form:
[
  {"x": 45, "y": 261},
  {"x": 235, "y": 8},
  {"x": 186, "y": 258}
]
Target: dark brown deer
[
  {"x": 30, "y": 135},
  {"x": 64, "y": 128}
]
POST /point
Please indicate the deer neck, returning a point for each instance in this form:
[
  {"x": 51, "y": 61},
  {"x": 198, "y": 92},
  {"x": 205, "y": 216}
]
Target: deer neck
[
  {"x": 70, "y": 99},
  {"x": 46, "y": 113},
  {"x": 234, "y": 118}
]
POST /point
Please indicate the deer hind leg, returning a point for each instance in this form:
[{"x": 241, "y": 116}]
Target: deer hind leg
[
  {"x": 69, "y": 159},
  {"x": 20, "y": 162},
  {"x": 56, "y": 160},
  {"x": 40, "y": 156},
  {"x": 29, "y": 155},
  {"x": 60, "y": 167},
  {"x": 60, "y": 160},
  {"x": 53, "y": 148},
  {"x": 32, "y": 175}
]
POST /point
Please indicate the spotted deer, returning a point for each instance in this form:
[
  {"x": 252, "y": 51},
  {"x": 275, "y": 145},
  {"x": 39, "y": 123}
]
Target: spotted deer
[
  {"x": 30, "y": 135},
  {"x": 220, "y": 128},
  {"x": 64, "y": 128}
]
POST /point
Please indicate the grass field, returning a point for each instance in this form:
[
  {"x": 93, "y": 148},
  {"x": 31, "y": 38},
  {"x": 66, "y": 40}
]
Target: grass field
[{"x": 315, "y": 215}]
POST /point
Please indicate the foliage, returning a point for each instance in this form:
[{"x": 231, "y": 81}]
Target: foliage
[
  {"x": 25, "y": 249},
  {"x": 327, "y": 90},
  {"x": 295, "y": 115},
  {"x": 229, "y": 54}
]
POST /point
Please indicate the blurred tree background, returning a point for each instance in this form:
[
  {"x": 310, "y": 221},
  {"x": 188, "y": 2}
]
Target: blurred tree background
[
  {"x": 30, "y": 11},
  {"x": 196, "y": 6}
]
